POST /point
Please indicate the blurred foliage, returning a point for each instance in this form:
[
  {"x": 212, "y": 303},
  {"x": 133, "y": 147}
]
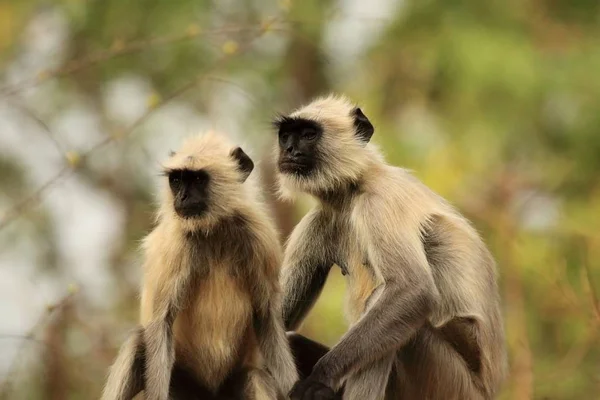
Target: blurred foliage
[{"x": 495, "y": 105}]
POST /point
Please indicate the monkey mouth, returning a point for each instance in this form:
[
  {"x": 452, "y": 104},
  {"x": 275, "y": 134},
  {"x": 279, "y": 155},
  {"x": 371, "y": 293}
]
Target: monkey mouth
[
  {"x": 191, "y": 211},
  {"x": 295, "y": 166}
]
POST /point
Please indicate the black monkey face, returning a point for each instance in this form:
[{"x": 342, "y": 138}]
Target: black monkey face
[
  {"x": 190, "y": 192},
  {"x": 204, "y": 182},
  {"x": 323, "y": 147},
  {"x": 298, "y": 145}
]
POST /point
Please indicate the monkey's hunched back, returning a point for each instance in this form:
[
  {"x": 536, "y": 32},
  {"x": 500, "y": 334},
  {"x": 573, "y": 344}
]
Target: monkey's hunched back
[
  {"x": 210, "y": 309},
  {"x": 462, "y": 267}
]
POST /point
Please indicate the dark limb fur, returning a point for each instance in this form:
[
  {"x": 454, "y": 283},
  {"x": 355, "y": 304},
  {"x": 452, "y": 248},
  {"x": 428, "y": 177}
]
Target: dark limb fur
[
  {"x": 461, "y": 334},
  {"x": 306, "y": 266},
  {"x": 371, "y": 381},
  {"x": 430, "y": 367},
  {"x": 304, "y": 297},
  {"x": 306, "y": 353},
  {"x": 128, "y": 374},
  {"x": 396, "y": 316},
  {"x": 436, "y": 364},
  {"x": 241, "y": 384},
  {"x": 184, "y": 386},
  {"x": 130, "y": 367}
]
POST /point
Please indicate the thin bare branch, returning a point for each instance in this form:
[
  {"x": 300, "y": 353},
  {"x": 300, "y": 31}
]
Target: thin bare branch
[
  {"x": 41, "y": 123},
  {"x": 120, "y": 49},
  {"x": 5, "y": 389},
  {"x": 35, "y": 197}
]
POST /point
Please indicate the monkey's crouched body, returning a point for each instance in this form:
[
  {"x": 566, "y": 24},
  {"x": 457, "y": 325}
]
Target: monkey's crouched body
[
  {"x": 422, "y": 300},
  {"x": 211, "y": 325},
  {"x": 214, "y": 336}
]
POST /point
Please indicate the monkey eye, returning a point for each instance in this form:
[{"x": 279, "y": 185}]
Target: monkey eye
[
  {"x": 200, "y": 177},
  {"x": 283, "y": 136},
  {"x": 174, "y": 179},
  {"x": 309, "y": 134}
]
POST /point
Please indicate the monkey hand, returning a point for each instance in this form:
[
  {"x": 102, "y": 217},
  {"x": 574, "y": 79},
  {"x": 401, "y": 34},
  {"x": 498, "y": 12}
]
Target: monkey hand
[{"x": 312, "y": 388}]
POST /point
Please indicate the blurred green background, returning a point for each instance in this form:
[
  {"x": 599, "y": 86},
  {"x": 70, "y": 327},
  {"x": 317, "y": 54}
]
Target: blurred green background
[{"x": 495, "y": 105}]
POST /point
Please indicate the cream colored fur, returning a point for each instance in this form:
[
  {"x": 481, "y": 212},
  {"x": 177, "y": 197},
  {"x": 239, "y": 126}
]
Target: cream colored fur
[{"x": 213, "y": 328}]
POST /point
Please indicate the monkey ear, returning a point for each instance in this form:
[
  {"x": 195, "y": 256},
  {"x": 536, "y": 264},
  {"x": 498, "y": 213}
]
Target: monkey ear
[
  {"x": 245, "y": 164},
  {"x": 362, "y": 125}
]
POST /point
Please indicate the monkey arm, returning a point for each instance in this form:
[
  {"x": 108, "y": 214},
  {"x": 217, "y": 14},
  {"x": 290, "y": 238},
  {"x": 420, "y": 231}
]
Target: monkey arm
[
  {"x": 303, "y": 287},
  {"x": 399, "y": 306},
  {"x": 306, "y": 264},
  {"x": 265, "y": 265},
  {"x": 125, "y": 379},
  {"x": 391, "y": 321},
  {"x": 274, "y": 346},
  {"x": 158, "y": 335}
]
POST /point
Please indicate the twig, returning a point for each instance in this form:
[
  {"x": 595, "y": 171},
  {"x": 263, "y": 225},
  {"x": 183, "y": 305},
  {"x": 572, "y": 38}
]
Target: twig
[
  {"x": 249, "y": 96},
  {"x": 5, "y": 388},
  {"x": 41, "y": 123},
  {"x": 119, "y": 49},
  {"x": 32, "y": 199}
]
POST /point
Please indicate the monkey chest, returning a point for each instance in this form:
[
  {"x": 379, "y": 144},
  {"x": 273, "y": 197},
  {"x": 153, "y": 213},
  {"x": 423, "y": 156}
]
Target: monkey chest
[
  {"x": 361, "y": 282},
  {"x": 361, "y": 279},
  {"x": 210, "y": 330}
]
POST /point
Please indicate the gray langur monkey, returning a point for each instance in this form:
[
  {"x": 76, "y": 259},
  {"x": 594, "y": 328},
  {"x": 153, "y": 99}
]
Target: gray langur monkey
[
  {"x": 423, "y": 304},
  {"x": 211, "y": 325}
]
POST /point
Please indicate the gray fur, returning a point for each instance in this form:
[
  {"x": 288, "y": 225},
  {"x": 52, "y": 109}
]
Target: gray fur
[{"x": 423, "y": 292}]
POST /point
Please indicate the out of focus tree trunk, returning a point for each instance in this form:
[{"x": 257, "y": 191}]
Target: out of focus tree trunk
[{"x": 304, "y": 78}]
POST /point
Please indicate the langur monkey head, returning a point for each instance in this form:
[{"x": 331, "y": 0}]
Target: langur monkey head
[
  {"x": 204, "y": 182},
  {"x": 322, "y": 146}
]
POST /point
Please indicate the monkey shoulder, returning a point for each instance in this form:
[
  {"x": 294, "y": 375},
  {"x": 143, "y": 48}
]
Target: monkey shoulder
[
  {"x": 317, "y": 225},
  {"x": 396, "y": 197},
  {"x": 318, "y": 215},
  {"x": 253, "y": 241},
  {"x": 164, "y": 252}
]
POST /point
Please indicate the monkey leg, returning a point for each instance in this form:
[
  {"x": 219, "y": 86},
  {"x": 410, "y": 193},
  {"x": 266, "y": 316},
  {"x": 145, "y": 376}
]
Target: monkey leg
[
  {"x": 241, "y": 384},
  {"x": 184, "y": 386},
  {"x": 370, "y": 382},
  {"x": 306, "y": 353},
  {"x": 432, "y": 369},
  {"x": 126, "y": 377}
]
